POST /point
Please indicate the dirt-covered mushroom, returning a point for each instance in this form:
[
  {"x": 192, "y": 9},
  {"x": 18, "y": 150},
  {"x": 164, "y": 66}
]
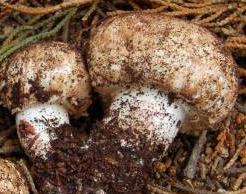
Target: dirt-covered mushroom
[
  {"x": 11, "y": 179},
  {"x": 161, "y": 74},
  {"x": 42, "y": 84}
]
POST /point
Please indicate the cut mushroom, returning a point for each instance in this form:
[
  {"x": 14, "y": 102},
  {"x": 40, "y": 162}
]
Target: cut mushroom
[
  {"x": 11, "y": 179},
  {"x": 43, "y": 83}
]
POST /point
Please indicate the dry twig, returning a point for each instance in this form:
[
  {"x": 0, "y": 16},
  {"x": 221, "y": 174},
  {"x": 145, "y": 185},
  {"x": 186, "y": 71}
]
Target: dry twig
[
  {"x": 190, "y": 169},
  {"x": 154, "y": 189},
  {"x": 190, "y": 190},
  {"x": 235, "y": 156}
]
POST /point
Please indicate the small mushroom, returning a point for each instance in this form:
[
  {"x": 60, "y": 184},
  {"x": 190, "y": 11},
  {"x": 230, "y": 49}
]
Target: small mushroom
[
  {"x": 160, "y": 74},
  {"x": 42, "y": 84},
  {"x": 11, "y": 179}
]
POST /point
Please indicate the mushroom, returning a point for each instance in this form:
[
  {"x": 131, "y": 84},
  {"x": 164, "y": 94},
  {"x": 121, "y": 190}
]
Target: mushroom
[
  {"x": 158, "y": 75},
  {"x": 44, "y": 83},
  {"x": 11, "y": 179}
]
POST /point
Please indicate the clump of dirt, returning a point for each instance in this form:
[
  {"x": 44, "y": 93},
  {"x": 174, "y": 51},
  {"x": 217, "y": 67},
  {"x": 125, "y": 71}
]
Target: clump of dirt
[{"x": 84, "y": 163}]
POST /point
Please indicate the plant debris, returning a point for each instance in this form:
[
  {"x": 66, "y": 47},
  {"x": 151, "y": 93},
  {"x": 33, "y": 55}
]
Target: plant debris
[{"x": 190, "y": 169}]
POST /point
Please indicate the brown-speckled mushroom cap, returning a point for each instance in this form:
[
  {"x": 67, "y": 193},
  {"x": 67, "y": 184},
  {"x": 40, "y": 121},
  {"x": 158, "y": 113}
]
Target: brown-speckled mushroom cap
[
  {"x": 46, "y": 72},
  {"x": 11, "y": 179},
  {"x": 174, "y": 55}
]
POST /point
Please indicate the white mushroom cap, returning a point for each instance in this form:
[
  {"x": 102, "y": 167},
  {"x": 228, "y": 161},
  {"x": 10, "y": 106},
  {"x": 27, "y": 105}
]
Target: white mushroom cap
[
  {"x": 175, "y": 56},
  {"x": 11, "y": 179},
  {"x": 47, "y": 72}
]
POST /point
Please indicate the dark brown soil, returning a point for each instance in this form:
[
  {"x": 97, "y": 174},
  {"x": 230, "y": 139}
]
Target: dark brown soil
[{"x": 95, "y": 163}]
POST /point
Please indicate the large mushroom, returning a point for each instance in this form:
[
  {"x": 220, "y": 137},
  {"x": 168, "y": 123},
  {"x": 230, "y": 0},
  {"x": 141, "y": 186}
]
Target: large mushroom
[
  {"x": 160, "y": 74},
  {"x": 157, "y": 75},
  {"x": 44, "y": 83}
]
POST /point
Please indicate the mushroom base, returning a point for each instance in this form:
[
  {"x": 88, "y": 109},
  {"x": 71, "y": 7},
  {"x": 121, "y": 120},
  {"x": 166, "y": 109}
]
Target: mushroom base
[
  {"x": 150, "y": 113},
  {"x": 35, "y": 127}
]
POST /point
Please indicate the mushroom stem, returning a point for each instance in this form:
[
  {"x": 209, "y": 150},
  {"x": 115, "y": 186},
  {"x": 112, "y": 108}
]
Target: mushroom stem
[
  {"x": 35, "y": 127},
  {"x": 152, "y": 115}
]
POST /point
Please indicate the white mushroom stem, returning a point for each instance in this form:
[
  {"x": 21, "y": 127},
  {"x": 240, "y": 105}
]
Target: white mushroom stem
[
  {"x": 149, "y": 112},
  {"x": 35, "y": 127}
]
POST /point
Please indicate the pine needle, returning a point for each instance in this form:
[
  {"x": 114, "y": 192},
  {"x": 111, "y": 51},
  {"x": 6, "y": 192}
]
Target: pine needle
[
  {"x": 35, "y": 38},
  {"x": 45, "y": 10}
]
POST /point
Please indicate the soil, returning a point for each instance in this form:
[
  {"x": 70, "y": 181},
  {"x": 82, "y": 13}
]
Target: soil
[{"x": 84, "y": 163}]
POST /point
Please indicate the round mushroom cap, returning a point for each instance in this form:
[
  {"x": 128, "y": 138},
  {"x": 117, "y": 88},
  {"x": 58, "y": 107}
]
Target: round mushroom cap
[
  {"x": 11, "y": 180},
  {"x": 173, "y": 55},
  {"x": 46, "y": 72}
]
